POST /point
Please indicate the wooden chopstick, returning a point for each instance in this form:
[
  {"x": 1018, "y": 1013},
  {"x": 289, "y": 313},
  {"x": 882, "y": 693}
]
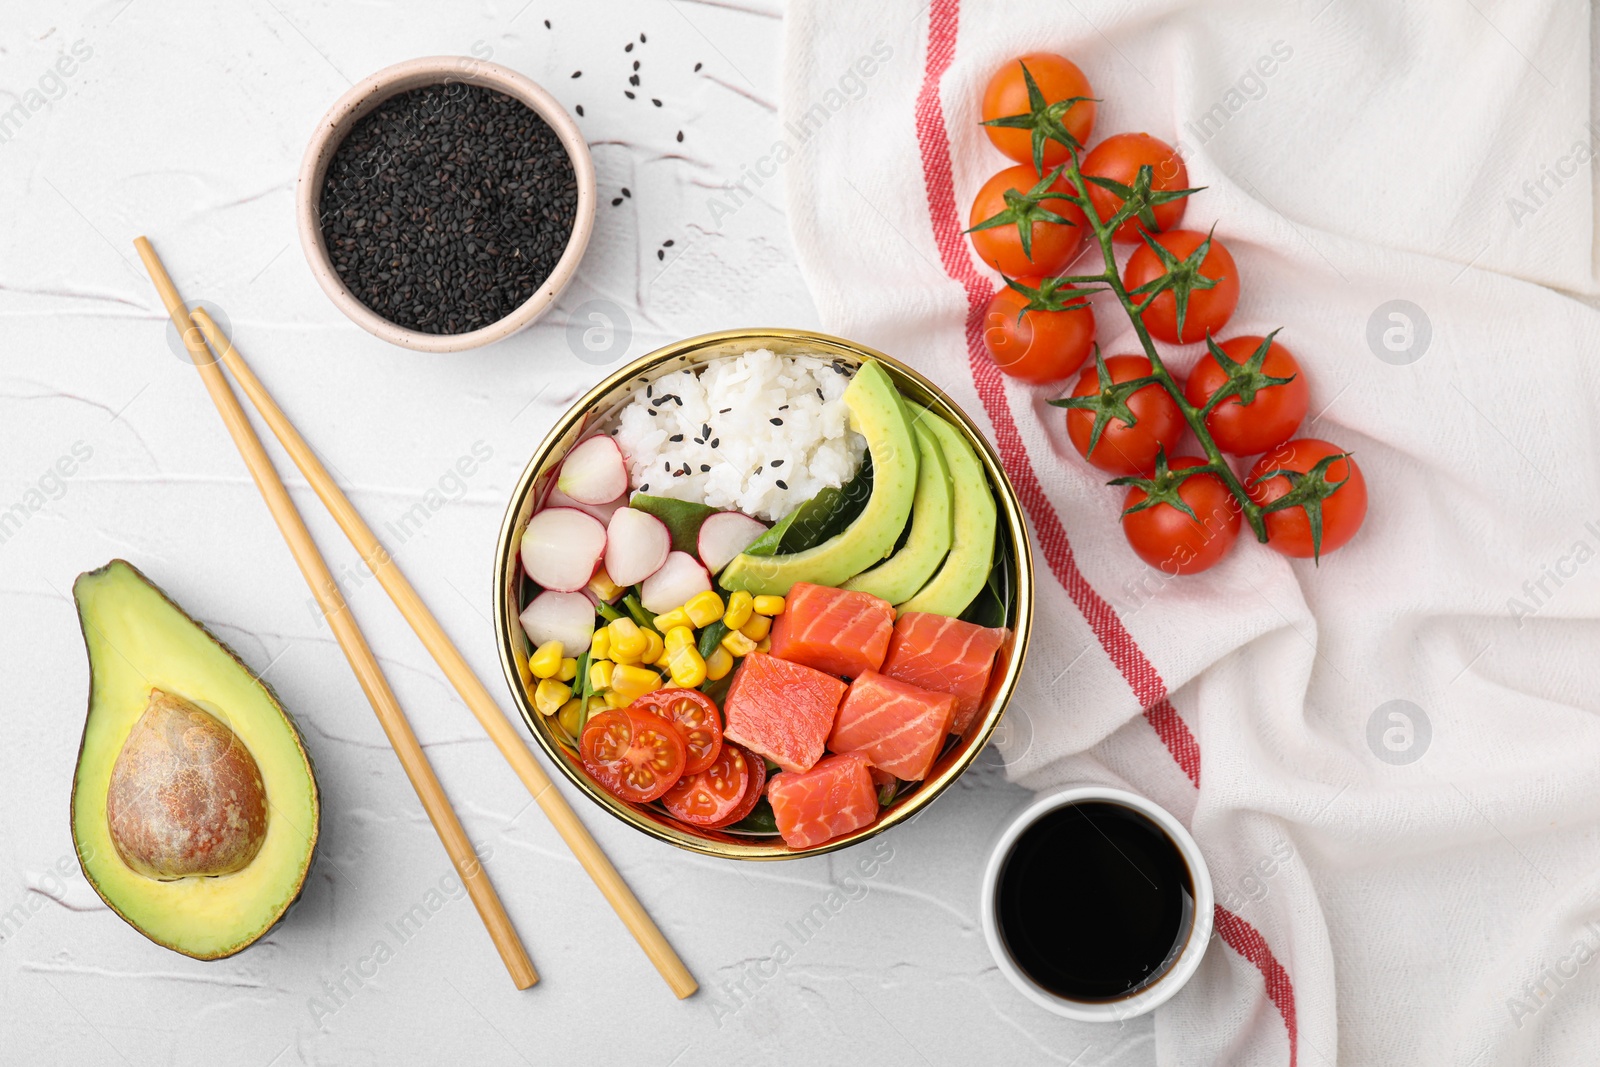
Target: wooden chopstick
[
  {"x": 343, "y": 624},
  {"x": 505, "y": 736}
]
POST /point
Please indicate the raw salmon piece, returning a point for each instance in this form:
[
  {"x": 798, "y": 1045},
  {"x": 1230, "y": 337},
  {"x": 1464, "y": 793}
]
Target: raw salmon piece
[
  {"x": 899, "y": 726},
  {"x": 839, "y": 631},
  {"x": 832, "y": 798},
  {"x": 947, "y": 656},
  {"x": 781, "y": 710}
]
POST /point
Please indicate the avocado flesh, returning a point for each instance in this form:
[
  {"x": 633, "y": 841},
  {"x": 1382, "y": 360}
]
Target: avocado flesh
[
  {"x": 902, "y": 574},
  {"x": 878, "y": 413},
  {"x": 965, "y": 570},
  {"x": 138, "y": 641}
]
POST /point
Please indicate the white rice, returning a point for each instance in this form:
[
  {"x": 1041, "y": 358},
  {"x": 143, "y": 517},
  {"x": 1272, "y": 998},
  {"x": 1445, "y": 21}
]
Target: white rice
[{"x": 779, "y": 433}]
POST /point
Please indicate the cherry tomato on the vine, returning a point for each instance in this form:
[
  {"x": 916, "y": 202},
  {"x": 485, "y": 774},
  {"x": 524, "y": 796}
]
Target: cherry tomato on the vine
[
  {"x": 1289, "y": 531},
  {"x": 1272, "y": 415},
  {"x": 1036, "y": 346},
  {"x": 1164, "y": 537},
  {"x": 1119, "y": 158},
  {"x": 633, "y": 755},
  {"x": 1124, "y": 449},
  {"x": 1058, "y": 78},
  {"x": 1053, "y": 245},
  {"x": 1208, "y": 310}
]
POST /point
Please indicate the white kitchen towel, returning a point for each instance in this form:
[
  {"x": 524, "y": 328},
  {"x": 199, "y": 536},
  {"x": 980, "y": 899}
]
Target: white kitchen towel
[{"x": 1391, "y": 760}]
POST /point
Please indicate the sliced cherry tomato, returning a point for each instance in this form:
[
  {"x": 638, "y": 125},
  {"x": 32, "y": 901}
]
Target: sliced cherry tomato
[
  {"x": 1124, "y": 449},
  {"x": 1289, "y": 530},
  {"x": 1164, "y": 537},
  {"x": 1058, "y": 78},
  {"x": 696, "y": 717},
  {"x": 754, "y": 791},
  {"x": 1274, "y": 412},
  {"x": 1037, "y": 346},
  {"x": 1053, "y": 246},
  {"x": 711, "y": 797},
  {"x": 1119, "y": 158},
  {"x": 634, "y": 756},
  {"x": 1208, "y": 310}
]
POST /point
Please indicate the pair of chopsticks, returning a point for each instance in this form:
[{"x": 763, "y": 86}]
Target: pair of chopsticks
[{"x": 365, "y": 664}]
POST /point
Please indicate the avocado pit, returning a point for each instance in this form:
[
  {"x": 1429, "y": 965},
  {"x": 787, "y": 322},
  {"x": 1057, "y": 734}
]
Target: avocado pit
[{"x": 186, "y": 797}]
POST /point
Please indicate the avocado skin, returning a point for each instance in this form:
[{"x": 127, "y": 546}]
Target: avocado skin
[
  {"x": 313, "y": 834},
  {"x": 902, "y": 574},
  {"x": 965, "y": 570},
  {"x": 882, "y": 417}
]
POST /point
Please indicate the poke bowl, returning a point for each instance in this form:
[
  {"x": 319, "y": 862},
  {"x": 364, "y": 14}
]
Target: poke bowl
[{"x": 823, "y": 593}]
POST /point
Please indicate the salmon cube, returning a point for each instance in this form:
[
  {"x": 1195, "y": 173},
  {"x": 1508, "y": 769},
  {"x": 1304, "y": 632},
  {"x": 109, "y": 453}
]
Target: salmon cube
[
  {"x": 835, "y": 797},
  {"x": 781, "y": 710},
  {"x": 900, "y": 727},
  {"x": 839, "y": 631},
  {"x": 947, "y": 656}
]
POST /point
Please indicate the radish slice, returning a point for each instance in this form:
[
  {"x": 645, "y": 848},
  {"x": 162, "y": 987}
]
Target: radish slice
[
  {"x": 603, "y": 512},
  {"x": 637, "y": 544},
  {"x": 679, "y": 578},
  {"x": 594, "y": 472},
  {"x": 725, "y": 535},
  {"x": 556, "y": 616},
  {"x": 562, "y": 547}
]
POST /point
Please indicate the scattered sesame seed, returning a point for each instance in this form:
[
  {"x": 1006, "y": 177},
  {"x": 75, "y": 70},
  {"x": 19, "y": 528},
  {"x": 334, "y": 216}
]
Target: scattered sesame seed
[
  {"x": 656, "y": 102},
  {"x": 758, "y": 469},
  {"x": 660, "y": 254},
  {"x": 616, "y": 200},
  {"x": 636, "y": 64},
  {"x": 641, "y": 38},
  {"x": 547, "y": 24},
  {"x": 629, "y": 94},
  {"x": 697, "y": 66},
  {"x": 777, "y": 463},
  {"x": 580, "y": 110},
  {"x": 704, "y": 467},
  {"x": 675, "y": 438},
  {"x": 577, "y": 74},
  {"x": 782, "y": 484},
  {"x": 776, "y": 422},
  {"x": 668, "y": 243},
  {"x": 628, "y": 47},
  {"x": 723, "y": 411},
  {"x": 633, "y": 79},
  {"x": 716, "y": 442},
  {"x": 784, "y": 407},
  {"x": 626, "y": 193},
  {"x": 680, "y": 132}
]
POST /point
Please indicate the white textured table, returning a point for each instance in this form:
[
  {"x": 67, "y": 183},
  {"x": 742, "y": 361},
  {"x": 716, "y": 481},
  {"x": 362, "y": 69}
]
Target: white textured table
[{"x": 186, "y": 120}]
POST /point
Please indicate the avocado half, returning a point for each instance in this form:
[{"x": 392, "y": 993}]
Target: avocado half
[{"x": 213, "y": 812}]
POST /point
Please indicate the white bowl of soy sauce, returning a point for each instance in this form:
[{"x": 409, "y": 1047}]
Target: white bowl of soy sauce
[{"x": 1097, "y": 904}]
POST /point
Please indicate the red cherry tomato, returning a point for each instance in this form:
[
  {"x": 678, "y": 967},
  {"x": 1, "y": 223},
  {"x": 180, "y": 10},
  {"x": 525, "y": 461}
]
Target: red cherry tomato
[
  {"x": 1058, "y": 78},
  {"x": 1271, "y": 418},
  {"x": 756, "y": 789},
  {"x": 1054, "y": 246},
  {"x": 633, "y": 756},
  {"x": 696, "y": 717},
  {"x": 1165, "y": 537},
  {"x": 1289, "y": 530},
  {"x": 1209, "y": 309},
  {"x": 713, "y": 797},
  {"x": 1124, "y": 449},
  {"x": 1040, "y": 346},
  {"x": 1119, "y": 158}
]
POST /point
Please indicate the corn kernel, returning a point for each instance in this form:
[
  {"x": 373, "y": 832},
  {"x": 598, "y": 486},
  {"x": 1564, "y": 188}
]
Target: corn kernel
[
  {"x": 550, "y": 695},
  {"x": 597, "y": 703},
  {"x": 679, "y": 637},
  {"x": 740, "y": 606},
  {"x": 627, "y": 640},
  {"x": 632, "y": 683},
  {"x": 718, "y": 664},
  {"x": 615, "y": 699},
  {"x": 571, "y": 717},
  {"x": 738, "y": 644},
  {"x": 704, "y": 608},
  {"x": 654, "y": 647},
  {"x": 600, "y": 644},
  {"x": 768, "y": 605},
  {"x": 546, "y": 660},
  {"x": 568, "y": 671},
  {"x": 603, "y": 587},
  {"x": 668, "y": 619},
  {"x": 757, "y": 628},
  {"x": 600, "y": 674},
  {"x": 688, "y": 669},
  {"x": 764, "y": 645}
]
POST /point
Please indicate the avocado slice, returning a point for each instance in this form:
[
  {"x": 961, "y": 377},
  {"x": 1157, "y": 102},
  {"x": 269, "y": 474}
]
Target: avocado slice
[
  {"x": 195, "y": 810},
  {"x": 965, "y": 570},
  {"x": 879, "y": 413},
  {"x": 902, "y": 574}
]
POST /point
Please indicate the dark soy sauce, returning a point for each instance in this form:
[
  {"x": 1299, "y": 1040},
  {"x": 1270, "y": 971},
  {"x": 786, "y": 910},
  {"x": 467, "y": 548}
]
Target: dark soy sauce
[{"x": 1094, "y": 901}]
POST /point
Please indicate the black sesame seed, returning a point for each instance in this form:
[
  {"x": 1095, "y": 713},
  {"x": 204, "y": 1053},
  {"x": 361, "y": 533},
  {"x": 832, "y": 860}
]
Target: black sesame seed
[
  {"x": 547, "y": 24},
  {"x": 819, "y": 394},
  {"x": 759, "y": 469},
  {"x": 716, "y": 442},
  {"x": 660, "y": 254},
  {"x": 633, "y": 80},
  {"x": 652, "y": 412},
  {"x": 776, "y": 422},
  {"x": 666, "y": 464},
  {"x": 577, "y": 74},
  {"x": 675, "y": 438},
  {"x": 445, "y": 208},
  {"x": 636, "y": 64},
  {"x": 641, "y": 38},
  {"x": 784, "y": 407},
  {"x": 650, "y": 389},
  {"x": 629, "y": 47},
  {"x": 777, "y": 463},
  {"x": 723, "y": 411},
  {"x": 629, "y": 94},
  {"x": 704, "y": 467},
  {"x": 705, "y": 430},
  {"x": 697, "y": 66},
  {"x": 668, "y": 243},
  {"x": 645, "y": 488},
  {"x": 782, "y": 484},
  {"x": 678, "y": 400},
  {"x": 680, "y": 132},
  {"x": 579, "y": 109},
  {"x": 626, "y": 193},
  {"x": 656, "y": 102},
  {"x": 616, "y": 200}
]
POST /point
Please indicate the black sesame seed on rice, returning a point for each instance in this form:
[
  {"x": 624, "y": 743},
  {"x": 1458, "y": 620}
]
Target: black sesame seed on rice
[
  {"x": 776, "y": 422},
  {"x": 704, "y": 467},
  {"x": 675, "y": 438},
  {"x": 723, "y": 411},
  {"x": 777, "y": 463},
  {"x": 782, "y": 484},
  {"x": 447, "y": 207},
  {"x": 716, "y": 442}
]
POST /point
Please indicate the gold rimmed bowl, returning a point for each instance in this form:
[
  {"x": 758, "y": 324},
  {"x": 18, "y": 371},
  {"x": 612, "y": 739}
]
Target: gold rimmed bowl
[{"x": 513, "y": 591}]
